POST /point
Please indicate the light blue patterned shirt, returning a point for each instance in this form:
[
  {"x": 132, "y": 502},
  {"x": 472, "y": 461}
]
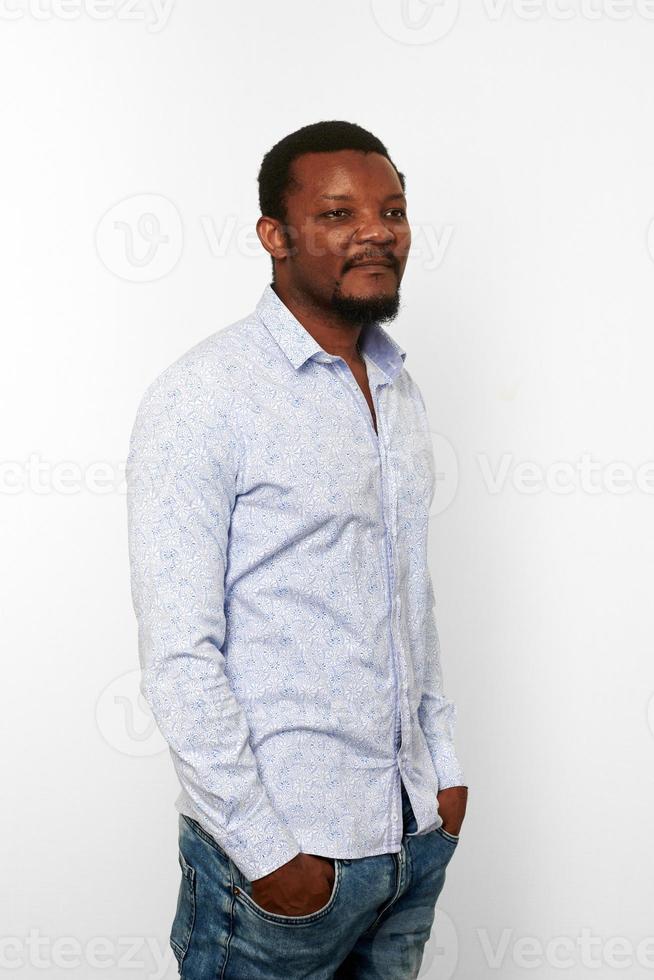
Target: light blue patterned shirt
[{"x": 278, "y": 555}]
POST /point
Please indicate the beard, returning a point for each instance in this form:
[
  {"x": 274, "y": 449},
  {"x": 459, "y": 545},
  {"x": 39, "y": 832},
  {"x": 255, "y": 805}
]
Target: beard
[{"x": 362, "y": 311}]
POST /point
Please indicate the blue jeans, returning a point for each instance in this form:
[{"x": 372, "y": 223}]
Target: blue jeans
[{"x": 375, "y": 924}]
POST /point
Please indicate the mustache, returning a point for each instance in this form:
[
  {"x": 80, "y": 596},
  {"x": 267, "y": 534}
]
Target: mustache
[{"x": 369, "y": 256}]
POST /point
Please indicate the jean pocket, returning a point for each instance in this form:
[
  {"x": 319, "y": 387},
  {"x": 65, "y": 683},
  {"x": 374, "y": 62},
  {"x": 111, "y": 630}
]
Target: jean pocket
[
  {"x": 182, "y": 927},
  {"x": 290, "y": 920},
  {"x": 446, "y": 835}
]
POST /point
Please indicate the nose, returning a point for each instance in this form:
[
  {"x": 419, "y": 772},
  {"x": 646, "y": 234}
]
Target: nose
[{"x": 373, "y": 229}]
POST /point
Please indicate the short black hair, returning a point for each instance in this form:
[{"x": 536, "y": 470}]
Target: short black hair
[{"x": 275, "y": 179}]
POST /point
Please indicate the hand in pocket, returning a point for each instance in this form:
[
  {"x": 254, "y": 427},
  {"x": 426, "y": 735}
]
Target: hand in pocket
[{"x": 301, "y": 886}]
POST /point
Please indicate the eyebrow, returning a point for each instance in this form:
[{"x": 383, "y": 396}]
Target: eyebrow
[{"x": 398, "y": 195}]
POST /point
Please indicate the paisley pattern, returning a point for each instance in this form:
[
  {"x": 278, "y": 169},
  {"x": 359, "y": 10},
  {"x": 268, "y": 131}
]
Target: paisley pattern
[{"x": 278, "y": 553}]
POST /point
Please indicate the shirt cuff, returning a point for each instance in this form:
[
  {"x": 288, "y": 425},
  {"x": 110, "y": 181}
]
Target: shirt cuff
[
  {"x": 447, "y": 766},
  {"x": 262, "y": 845}
]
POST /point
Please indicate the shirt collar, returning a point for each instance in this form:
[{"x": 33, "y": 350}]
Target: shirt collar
[{"x": 298, "y": 344}]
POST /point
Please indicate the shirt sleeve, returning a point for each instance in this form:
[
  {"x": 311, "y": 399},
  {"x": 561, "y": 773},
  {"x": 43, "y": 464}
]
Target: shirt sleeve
[
  {"x": 181, "y": 474},
  {"x": 437, "y": 714}
]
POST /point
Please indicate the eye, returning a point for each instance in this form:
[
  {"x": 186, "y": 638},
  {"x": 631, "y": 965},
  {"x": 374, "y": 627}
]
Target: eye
[
  {"x": 397, "y": 213},
  {"x": 336, "y": 213}
]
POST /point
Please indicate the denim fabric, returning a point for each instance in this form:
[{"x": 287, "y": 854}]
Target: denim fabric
[{"x": 375, "y": 924}]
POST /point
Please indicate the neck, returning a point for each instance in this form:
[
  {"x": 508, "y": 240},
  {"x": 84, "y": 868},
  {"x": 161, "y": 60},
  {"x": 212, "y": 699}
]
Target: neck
[{"x": 334, "y": 335}]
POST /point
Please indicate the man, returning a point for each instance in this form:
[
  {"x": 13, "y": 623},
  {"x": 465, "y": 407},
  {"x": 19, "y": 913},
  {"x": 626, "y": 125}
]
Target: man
[{"x": 280, "y": 475}]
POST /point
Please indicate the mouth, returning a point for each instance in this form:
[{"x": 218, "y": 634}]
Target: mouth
[{"x": 374, "y": 265}]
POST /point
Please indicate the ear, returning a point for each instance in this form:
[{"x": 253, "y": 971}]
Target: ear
[{"x": 274, "y": 237}]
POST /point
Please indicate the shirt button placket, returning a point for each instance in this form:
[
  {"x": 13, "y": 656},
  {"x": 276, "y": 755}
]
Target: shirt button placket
[
  {"x": 390, "y": 520},
  {"x": 396, "y": 621}
]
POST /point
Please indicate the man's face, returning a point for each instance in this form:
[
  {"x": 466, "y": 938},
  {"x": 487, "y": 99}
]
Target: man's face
[{"x": 348, "y": 233}]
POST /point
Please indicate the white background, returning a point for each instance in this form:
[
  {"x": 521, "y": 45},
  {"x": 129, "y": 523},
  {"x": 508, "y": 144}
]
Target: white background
[{"x": 526, "y": 135}]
